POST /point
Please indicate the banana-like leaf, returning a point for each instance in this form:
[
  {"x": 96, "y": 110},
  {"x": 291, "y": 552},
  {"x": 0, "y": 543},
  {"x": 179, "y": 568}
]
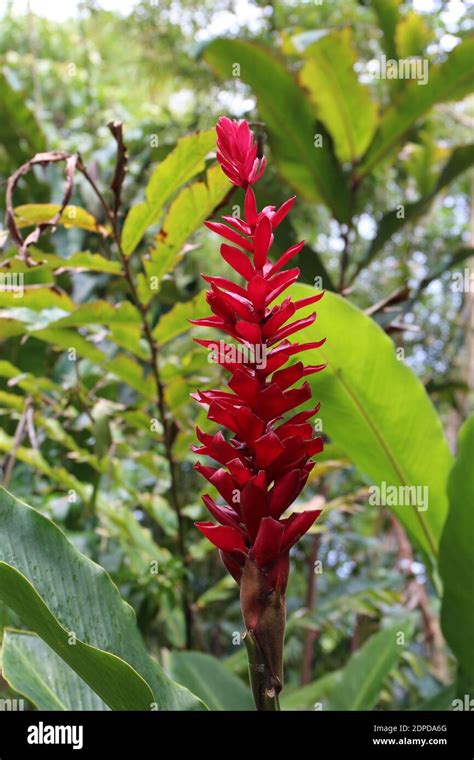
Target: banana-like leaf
[
  {"x": 456, "y": 555},
  {"x": 34, "y": 670},
  {"x": 377, "y": 411},
  {"x": 341, "y": 102},
  {"x": 72, "y": 604}
]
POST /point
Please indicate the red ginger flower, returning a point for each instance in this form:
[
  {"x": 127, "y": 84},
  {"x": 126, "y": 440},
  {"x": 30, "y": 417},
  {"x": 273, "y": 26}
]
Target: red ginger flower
[{"x": 266, "y": 463}]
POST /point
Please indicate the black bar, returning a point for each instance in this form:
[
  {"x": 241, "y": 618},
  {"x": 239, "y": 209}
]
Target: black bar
[{"x": 153, "y": 734}]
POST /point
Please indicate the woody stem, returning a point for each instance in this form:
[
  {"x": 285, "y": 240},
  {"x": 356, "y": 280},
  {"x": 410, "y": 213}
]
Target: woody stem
[{"x": 259, "y": 673}]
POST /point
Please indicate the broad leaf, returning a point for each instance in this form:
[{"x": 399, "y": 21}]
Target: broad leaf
[
  {"x": 341, "y": 102},
  {"x": 34, "y": 670},
  {"x": 289, "y": 123},
  {"x": 378, "y": 412},
  {"x": 206, "y": 677},
  {"x": 179, "y": 166},
  {"x": 456, "y": 555},
  {"x": 450, "y": 80},
  {"x": 61, "y": 595},
  {"x": 361, "y": 681}
]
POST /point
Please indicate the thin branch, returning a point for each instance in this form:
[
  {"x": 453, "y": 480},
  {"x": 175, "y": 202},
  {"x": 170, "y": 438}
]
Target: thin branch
[{"x": 20, "y": 431}]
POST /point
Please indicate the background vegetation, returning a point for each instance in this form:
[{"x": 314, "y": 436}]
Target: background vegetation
[{"x": 95, "y": 428}]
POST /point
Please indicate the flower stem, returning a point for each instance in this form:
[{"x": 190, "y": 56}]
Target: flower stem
[{"x": 265, "y": 696}]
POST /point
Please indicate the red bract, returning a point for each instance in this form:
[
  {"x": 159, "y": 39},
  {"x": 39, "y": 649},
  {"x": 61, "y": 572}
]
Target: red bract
[{"x": 266, "y": 461}]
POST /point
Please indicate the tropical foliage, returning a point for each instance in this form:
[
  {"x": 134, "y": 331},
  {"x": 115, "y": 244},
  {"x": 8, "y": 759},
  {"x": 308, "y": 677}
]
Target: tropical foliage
[{"x": 109, "y": 597}]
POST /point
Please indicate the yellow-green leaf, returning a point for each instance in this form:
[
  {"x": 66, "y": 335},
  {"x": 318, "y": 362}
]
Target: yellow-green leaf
[{"x": 341, "y": 102}]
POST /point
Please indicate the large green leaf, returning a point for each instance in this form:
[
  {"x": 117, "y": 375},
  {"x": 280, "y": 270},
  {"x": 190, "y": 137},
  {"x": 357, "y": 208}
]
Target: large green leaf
[
  {"x": 61, "y": 595},
  {"x": 33, "y": 669},
  {"x": 210, "y": 680},
  {"x": 459, "y": 161},
  {"x": 289, "y": 122},
  {"x": 378, "y": 411},
  {"x": 456, "y": 560},
  {"x": 450, "y": 80},
  {"x": 361, "y": 681},
  {"x": 179, "y": 166},
  {"x": 342, "y": 103}
]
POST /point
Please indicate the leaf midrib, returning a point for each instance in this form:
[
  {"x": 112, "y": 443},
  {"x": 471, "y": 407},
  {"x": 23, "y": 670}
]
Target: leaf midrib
[{"x": 338, "y": 374}]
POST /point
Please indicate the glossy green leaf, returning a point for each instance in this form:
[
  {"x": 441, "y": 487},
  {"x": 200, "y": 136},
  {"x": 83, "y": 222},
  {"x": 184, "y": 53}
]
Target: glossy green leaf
[
  {"x": 34, "y": 670},
  {"x": 362, "y": 679},
  {"x": 378, "y": 412},
  {"x": 206, "y": 677},
  {"x": 179, "y": 166},
  {"x": 456, "y": 560},
  {"x": 450, "y": 80},
  {"x": 289, "y": 122},
  {"x": 341, "y": 102},
  {"x": 38, "y": 569}
]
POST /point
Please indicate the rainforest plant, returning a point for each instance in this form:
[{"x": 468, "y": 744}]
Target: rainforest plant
[{"x": 266, "y": 462}]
